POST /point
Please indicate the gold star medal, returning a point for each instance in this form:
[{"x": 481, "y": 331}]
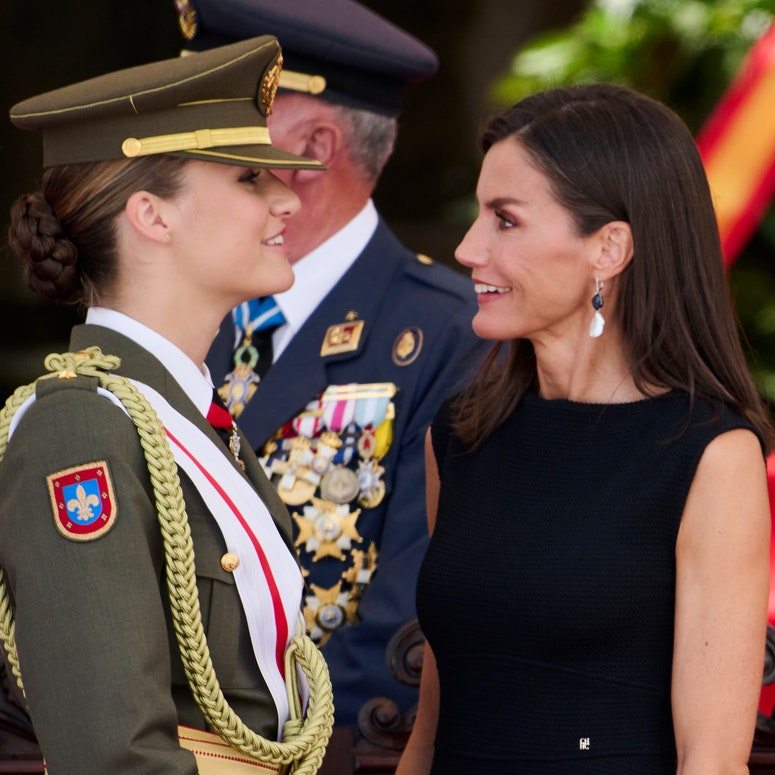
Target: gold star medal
[
  {"x": 326, "y": 610},
  {"x": 327, "y": 529}
]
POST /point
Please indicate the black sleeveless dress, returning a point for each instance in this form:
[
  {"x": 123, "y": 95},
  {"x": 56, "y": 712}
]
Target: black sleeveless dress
[{"x": 547, "y": 592}]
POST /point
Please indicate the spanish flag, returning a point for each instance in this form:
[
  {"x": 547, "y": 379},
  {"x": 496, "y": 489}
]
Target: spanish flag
[{"x": 737, "y": 145}]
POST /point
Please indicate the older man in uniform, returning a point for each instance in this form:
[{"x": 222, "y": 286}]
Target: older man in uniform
[{"x": 365, "y": 346}]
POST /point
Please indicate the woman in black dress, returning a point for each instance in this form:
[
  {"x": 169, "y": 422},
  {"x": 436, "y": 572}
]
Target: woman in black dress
[{"x": 594, "y": 595}]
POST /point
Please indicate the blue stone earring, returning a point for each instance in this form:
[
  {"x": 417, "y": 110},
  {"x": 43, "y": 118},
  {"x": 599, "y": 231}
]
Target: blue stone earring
[{"x": 597, "y": 324}]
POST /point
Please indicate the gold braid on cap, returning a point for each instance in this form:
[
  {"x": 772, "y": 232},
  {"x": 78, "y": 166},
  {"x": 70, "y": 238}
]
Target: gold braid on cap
[{"x": 197, "y": 140}]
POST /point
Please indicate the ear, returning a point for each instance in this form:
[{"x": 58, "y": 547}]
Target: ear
[
  {"x": 323, "y": 144},
  {"x": 614, "y": 249},
  {"x": 145, "y": 213}
]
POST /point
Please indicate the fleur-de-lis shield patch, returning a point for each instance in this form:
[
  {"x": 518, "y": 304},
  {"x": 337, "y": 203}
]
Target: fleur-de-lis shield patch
[{"x": 83, "y": 501}]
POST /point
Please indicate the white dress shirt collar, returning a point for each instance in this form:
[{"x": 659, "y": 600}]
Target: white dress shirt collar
[
  {"x": 193, "y": 379},
  {"x": 319, "y": 271}
]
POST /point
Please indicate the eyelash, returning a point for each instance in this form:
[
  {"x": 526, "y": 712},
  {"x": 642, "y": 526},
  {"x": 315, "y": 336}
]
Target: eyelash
[
  {"x": 249, "y": 176},
  {"x": 506, "y": 221}
]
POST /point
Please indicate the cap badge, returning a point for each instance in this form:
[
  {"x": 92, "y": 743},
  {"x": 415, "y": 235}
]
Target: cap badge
[
  {"x": 270, "y": 84},
  {"x": 82, "y": 500},
  {"x": 187, "y": 18},
  {"x": 407, "y": 346}
]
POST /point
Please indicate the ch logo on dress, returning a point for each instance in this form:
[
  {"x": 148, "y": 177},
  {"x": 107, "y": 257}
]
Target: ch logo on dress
[
  {"x": 82, "y": 500},
  {"x": 584, "y": 744}
]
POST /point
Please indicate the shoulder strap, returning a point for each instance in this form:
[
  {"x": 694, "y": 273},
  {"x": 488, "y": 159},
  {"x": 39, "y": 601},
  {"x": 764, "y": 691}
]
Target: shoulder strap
[{"x": 305, "y": 736}]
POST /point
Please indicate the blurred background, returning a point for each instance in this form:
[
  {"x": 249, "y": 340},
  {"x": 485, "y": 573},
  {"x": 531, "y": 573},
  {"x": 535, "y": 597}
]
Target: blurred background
[{"x": 684, "y": 52}]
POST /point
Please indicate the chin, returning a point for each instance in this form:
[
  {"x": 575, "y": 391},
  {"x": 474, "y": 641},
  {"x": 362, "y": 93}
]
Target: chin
[
  {"x": 277, "y": 281},
  {"x": 485, "y": 329}
]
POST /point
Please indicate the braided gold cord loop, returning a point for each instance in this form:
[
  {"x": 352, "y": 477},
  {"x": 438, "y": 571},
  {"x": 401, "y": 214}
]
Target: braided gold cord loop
[
  {"x": 8, "y": 632},
  {"x": 305, "y": 737},
  {"x": 7, "y": 626}
]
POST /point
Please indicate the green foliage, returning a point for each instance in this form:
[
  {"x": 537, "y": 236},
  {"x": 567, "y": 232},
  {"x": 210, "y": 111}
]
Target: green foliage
[{"x": 685, "y": 53}]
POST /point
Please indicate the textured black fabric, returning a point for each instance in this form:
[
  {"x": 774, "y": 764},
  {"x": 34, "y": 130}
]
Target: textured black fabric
[{"x": 547, "y": 592}]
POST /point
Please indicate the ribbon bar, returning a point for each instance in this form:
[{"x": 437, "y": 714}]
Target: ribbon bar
[{"x": 359, "y": 391}]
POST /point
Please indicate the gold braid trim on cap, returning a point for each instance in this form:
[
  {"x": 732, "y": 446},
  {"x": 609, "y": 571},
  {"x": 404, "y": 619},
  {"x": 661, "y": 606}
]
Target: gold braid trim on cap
[
  {"x": 310, "y": 84},
  {"x": 196, "y": 140}
]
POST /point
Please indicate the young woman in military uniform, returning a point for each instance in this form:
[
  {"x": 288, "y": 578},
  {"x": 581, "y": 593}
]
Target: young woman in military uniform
[{"x": 151, "y": 173}]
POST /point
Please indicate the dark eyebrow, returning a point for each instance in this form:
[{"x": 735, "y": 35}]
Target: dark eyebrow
[{"x": 499, "y": 202}]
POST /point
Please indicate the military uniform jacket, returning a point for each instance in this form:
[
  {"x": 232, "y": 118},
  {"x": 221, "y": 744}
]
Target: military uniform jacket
[
  {"x": 103, "y": 678},
  {"x": 363, "y": 553}
]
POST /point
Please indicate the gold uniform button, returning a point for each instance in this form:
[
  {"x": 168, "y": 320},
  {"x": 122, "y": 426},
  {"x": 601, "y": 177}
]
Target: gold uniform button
[{"x": 229, "y": 562}]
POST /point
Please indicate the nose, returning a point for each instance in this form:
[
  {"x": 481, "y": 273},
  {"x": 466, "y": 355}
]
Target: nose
[
  {"x": 283, "y": 202},
  {"x": 470, "y": 252}
]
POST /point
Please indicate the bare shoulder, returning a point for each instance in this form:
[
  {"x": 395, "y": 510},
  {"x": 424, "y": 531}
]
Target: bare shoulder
[
  {"x": 735, "y": 448},
  {"x": 729, "y": 492}
]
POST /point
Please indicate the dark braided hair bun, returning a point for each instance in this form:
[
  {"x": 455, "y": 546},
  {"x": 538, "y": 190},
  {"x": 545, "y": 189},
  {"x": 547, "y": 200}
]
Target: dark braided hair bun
[{"x": 50, "y": 259}]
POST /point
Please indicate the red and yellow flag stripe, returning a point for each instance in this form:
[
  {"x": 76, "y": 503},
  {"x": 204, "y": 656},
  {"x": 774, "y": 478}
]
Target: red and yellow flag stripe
[{"x": 737, "y": 145}]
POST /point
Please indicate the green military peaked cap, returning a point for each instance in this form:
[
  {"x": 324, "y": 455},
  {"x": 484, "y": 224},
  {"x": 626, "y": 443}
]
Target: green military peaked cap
[{"x": 210, "y": 105}]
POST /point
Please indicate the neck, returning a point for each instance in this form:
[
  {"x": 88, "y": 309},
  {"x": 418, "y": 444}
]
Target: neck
[
  {"x": 192, "y": 331},
  {"x": 588, "y": 370}
]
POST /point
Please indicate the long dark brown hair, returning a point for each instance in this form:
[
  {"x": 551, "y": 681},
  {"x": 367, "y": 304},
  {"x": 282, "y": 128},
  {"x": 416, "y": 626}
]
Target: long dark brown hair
[{"x": 612, "y": 154}]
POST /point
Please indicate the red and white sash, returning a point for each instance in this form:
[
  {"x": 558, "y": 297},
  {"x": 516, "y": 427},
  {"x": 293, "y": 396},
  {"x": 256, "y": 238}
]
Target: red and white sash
[{"x": 268, "y": 578}]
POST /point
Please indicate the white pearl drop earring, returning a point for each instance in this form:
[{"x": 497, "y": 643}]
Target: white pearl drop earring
[{"x": 597, "y": 323}]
